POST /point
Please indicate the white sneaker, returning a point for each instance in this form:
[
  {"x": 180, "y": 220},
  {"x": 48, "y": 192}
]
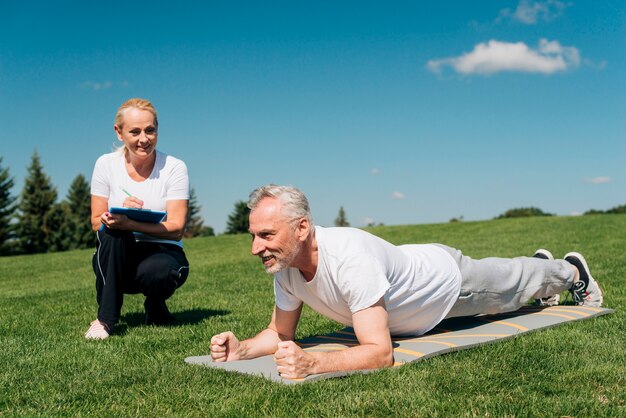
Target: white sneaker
[
  {"x": 586, "y": 290},
  {"x": 543, "y": 254},
  {"x": 550, "y": 300},
  {"x": 97, "y": 331}
]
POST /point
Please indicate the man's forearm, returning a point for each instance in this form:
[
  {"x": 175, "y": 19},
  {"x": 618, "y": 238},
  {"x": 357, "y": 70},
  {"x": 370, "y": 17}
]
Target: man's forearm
[
  {"x": 369, "y": 356},
  {"x": 264, "y": 343}
]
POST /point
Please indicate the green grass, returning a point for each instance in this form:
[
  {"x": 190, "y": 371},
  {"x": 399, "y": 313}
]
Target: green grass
[{"x": 48, "y": 368}]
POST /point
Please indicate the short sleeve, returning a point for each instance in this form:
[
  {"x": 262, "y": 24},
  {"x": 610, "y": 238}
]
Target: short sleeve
[
  {"x": 362, "y": 281},
  {"x": 178, "y": 185},
  {"x": 285, "y": 299},
  {"x": 100, "y": 179}
]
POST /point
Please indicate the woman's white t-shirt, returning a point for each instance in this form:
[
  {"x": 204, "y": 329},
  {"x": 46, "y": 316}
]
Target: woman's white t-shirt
[
  {"x": 168, "y": 181},
  {"x": 420, "y": 283}
]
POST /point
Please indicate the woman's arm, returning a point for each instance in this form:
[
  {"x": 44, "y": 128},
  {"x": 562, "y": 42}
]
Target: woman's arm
[
  {"x": 172, "y": 228},
  {"x": 99, "y": 205}
]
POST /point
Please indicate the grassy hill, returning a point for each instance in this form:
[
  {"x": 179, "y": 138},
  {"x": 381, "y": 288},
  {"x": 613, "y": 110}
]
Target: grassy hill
[{"x": 47, "y": 368}]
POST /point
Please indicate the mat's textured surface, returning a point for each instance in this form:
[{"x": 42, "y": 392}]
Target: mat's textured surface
[{"x": 450, "y": 335}]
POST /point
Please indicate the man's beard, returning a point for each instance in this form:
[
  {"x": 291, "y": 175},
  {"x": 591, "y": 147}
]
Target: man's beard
[{"x": 284, "y": 261}]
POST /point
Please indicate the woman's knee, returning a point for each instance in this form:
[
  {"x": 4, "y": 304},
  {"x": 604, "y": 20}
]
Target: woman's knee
[{"x": 160, "y": 276}]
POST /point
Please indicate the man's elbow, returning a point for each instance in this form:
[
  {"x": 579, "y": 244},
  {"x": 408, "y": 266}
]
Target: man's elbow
[
  {"x": 383, "y": 357},
  {"x": 386, "y": 358}
]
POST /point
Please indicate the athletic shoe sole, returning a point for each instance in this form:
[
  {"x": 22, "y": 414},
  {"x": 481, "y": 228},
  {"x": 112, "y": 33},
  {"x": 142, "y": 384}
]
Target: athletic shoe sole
[
  {"x": 544, "y": 254},
  {"x": 590, "y": 293}
]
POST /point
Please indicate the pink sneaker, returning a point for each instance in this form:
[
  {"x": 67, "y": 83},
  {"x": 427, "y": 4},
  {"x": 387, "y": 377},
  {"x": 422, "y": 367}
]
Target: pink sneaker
[{"x": 97, "y": 331}]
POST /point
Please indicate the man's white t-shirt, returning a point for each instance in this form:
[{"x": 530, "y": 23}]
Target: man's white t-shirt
[
  {"x": 168, "y": 181},
  {"x": 420, "y": 283}
]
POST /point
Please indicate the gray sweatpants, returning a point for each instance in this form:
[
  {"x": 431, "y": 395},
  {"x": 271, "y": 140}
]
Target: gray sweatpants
[{"x": 495, "y": 285}]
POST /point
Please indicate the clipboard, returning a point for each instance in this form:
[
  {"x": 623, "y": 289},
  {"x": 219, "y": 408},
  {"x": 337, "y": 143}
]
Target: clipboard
[{"x": 140, "y": 215}]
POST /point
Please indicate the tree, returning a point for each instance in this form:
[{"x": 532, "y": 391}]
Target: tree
[
  {"x": 238, "y": 219},
  {"x": 617, "y": 209},
  {"x": 60, "y": 221},
  {"x": 38, "y": 196},
  {"x": 206, "y": 231},
  {"x": 523, "y": 213},
  {"x": 594, "y": 212},
  {"x": 7, "y": 210},
  {"x": 79, "y": 214},
  {"x": 341, "y": 219},
  {"x": 194, "y": 223}
]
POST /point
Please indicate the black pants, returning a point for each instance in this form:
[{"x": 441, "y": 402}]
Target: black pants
[{"x": 124, "y": 266}]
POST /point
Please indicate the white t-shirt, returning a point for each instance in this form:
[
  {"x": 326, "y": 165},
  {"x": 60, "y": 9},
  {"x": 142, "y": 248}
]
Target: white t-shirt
[
  {"x": 168, "y": 181},
  {"x": 355, "y": 269}
]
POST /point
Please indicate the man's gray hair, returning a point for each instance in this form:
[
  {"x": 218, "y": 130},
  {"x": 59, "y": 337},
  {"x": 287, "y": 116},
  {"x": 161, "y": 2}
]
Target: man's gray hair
[{"x": 295, "y": 203}]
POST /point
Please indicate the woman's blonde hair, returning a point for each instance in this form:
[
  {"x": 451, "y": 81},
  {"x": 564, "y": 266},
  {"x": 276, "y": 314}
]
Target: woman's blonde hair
[{"x": 137, "y": 103}]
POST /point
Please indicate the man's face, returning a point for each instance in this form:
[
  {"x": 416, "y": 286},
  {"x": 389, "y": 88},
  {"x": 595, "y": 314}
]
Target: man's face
[{"x": 274, "y": 238}]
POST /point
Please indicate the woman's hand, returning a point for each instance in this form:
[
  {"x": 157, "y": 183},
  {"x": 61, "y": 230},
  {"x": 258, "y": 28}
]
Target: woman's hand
[
  {"x": 133, "y": 202},
  {"x": 114, "y": 221}
]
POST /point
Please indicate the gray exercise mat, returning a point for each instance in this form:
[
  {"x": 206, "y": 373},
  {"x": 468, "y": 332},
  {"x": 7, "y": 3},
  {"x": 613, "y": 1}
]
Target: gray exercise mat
[{"x": 450, "y": 335}]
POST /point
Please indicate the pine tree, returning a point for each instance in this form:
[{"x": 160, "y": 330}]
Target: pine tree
[
  {"x": 238, "y": 219},
  {"x": 193, "y": 223},
  {"x": 7, "y": 210},
  {"x": 206, "y": 231},
  {"x": 79, "y": 216},
  {"x": 38, "y": 196},
  {"x": 61, "y": 236},
  {"x": 341, "y": 219}
]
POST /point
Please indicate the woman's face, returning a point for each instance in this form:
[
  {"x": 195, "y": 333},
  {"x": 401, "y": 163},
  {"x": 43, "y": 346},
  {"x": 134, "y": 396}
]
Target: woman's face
[{"x": 138, "y": 132}]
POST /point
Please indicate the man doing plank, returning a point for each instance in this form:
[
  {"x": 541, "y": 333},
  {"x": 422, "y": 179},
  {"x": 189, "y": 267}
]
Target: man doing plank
[{"x": 380, "y": 289}]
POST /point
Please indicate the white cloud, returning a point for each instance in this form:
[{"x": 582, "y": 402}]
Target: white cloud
[
  {"x": 398, "y": 195},
  {"x": 598, "y": 180},
  {"x": 375, "y": 171},
  {"x": 530, "y": 12},
  {"x": 368, "y": 221},
  {"x": 90, "y": 85},
  {"x": 495, "y": 56},
  {"x": 96, "y": 86},
  {"x": 599, "y": 66}
]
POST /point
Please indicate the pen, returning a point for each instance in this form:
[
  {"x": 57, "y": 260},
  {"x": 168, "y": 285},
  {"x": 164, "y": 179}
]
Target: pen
[{"x": 130, "y": 195}]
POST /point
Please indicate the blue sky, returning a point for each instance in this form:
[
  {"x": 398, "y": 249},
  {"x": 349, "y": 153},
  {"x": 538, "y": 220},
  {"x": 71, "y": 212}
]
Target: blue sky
[{"x": 401, "y": 112}]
